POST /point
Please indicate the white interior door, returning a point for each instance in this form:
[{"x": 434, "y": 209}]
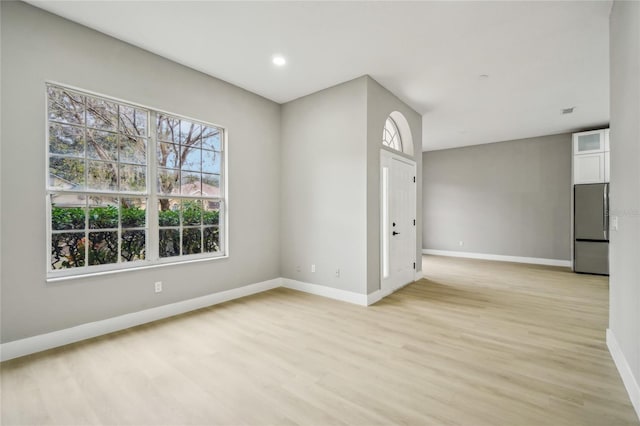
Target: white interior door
[{"x": 398, "y": 221}]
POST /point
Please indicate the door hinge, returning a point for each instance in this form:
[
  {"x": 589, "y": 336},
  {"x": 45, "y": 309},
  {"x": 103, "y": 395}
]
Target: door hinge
[
  {"x": 414, "y": 179},
  {"x": 414, "y": 265},
  {"x": 414, "y": 222}
]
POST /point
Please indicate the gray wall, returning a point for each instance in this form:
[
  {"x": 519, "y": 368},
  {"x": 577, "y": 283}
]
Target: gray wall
[
  {"x": 509, "y": 198},
  {"x": 381, "y": 103},
  {"x": 331, "y": 143},
  {"x": 624, "y": 282},
  {"x": 323, "y": 181},
  {"x": 38, "y": 46}
]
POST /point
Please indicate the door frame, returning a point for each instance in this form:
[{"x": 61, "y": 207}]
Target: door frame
[{"x": 386, "y": 157}]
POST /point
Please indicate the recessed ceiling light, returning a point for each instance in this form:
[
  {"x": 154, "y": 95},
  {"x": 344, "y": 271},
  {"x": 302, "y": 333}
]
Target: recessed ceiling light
[
  {"x": 279, "y": 60},
  {"x": 568, "y": 110}
]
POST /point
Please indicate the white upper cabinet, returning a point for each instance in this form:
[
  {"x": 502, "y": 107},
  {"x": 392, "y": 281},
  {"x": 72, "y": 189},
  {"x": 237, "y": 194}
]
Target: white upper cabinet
[
  {"x": 591, "y": 157},
  {"x": 588, "y": 142},
  {"x": 588, "y": 168}
]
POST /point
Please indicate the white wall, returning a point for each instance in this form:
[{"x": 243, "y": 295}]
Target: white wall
[
  {"x": 38, "y": 46},
  {"x": 380, "y": 104},
  {"x": 323, "y": 179},
  {"x": 624, "y": 282}
]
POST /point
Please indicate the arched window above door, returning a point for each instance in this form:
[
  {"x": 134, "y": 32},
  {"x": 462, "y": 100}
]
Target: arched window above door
[
  {"x": 397, "y": 134},
  {"x": 391, "y": 135}
]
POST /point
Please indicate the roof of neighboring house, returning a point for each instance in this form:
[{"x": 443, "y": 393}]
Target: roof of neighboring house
[{"x": 194, "y": 189}]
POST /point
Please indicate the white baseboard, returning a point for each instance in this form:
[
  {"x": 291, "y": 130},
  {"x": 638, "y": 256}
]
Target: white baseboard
[
  {"x": 377, "y": 296},
  {"x": 499, "y": 257},
  {"x": 374, "y": 297},
  {"x": 54, "y": 339},
  {"x": 66, "y": 336},
  {"x": 624, "y": 369},
  {"x": 330, "y": 292},
  {"x": 381, "y": 294}
]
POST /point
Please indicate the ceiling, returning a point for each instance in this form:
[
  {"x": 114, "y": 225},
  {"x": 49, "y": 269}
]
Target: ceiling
[{"x": 540, "y": 57}]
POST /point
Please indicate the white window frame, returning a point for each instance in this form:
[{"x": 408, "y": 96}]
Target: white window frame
[
  {"x": 152, "y": 255},
  {"x": 396, "y": 136}
]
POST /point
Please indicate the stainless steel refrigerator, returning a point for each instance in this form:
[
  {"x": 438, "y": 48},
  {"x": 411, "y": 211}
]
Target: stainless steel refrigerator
[{"x": 591, "y": 228}]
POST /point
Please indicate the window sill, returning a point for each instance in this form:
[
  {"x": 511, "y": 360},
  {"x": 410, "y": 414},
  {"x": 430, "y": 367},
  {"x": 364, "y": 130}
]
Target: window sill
[{"x": 55, "y": 279}]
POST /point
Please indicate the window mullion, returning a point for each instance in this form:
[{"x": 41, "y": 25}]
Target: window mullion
[
  {"x": 152, "y": 204},
  {"x": 86, "y": 228},
  {"x": 119, "y": 180},
  {"x": 119, "y": 204}
]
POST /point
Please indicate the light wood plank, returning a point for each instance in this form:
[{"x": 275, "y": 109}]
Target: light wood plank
[{"x": 475, "y": 343}]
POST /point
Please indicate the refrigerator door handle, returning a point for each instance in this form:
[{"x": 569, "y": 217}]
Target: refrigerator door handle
[{"x": 605, "y": 213}]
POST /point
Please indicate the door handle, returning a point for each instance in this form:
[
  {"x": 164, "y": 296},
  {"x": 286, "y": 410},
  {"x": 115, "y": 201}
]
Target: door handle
[{"x": 395, "y": 233}]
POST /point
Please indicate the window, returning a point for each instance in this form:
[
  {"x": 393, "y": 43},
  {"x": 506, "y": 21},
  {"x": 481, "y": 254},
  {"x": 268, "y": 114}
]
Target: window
[
  {"x": 129, "y": 186},
  {"x": 391, "y": 135},
  {"x": 189, "y": 166}
]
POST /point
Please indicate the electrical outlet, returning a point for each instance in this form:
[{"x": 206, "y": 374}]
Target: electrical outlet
[
  {"x": 158, "y": 286},
  {"x": 338, "y": 273},
  {"x": 461, "y": 243},
  {"x": 313, "y": 268}
]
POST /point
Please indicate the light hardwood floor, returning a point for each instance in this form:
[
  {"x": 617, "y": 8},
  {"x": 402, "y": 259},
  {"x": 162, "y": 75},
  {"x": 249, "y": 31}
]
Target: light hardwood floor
[{"x": 474, "y": 343}]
